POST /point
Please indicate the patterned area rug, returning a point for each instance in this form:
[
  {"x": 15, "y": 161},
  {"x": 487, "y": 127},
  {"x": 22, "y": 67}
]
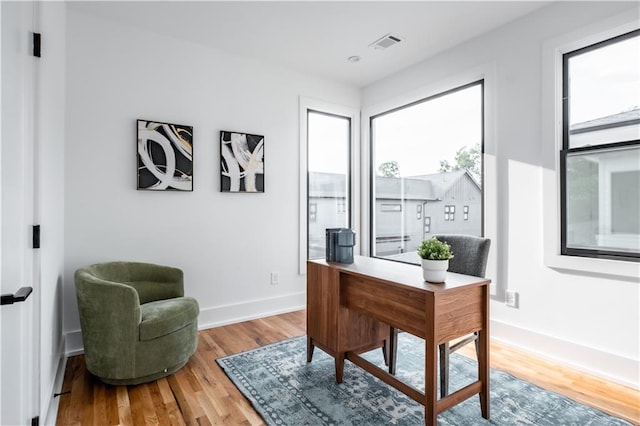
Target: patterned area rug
[{"x": 286, "y": 390}]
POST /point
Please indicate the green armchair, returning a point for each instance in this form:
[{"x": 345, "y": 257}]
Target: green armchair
[{"x": 137, "y": 326}]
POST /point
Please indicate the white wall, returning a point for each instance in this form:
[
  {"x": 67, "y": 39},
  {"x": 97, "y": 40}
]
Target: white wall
[
  {"x": 588, "y": 320},
  {"x": 227, "y": 244}
]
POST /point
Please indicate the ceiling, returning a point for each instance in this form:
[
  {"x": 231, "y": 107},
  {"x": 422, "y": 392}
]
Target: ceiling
[{"x": 317, "y": 37}]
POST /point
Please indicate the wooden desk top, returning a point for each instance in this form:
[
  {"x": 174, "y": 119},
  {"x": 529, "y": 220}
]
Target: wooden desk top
[{"x": 404, "y": 274}]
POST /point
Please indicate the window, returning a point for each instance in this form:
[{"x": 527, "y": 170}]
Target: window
[
  {"x": 313, "y": 209},
  {"x": 449, "y": 212},
  {"x": 426, "y": 154},
  {"x": 328, "y": 177},
  {"x": 600, "y": 159}
]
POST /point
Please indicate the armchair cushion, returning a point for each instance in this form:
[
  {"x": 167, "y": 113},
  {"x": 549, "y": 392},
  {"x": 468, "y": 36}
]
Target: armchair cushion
[
  {"x": 150, "y": 291},
  {"x": 163, "y": 317}
]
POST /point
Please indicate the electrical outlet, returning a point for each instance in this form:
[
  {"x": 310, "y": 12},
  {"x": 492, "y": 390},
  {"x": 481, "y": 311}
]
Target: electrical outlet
[
  {"x": 275, "y": 278},
  {"x": 511, "y": 298}
]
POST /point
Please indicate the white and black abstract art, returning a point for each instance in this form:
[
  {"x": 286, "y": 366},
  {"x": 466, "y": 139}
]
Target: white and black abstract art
[
  {"x": 241, "y": 162},
  {"x": 165, "y": 156}
]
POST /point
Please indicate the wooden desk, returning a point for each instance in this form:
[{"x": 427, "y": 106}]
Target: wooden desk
[{"x": 350, "y": 308}]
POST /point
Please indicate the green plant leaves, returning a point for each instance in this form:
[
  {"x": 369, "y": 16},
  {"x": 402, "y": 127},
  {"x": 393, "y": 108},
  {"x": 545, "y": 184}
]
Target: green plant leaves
[{"x": 434, "y": 249}]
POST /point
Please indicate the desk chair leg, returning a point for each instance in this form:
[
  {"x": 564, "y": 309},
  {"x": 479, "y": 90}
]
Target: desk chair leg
[
  {"x": 393, "y": 349},
  {"x": 444, "y": 369},
  {"x": 385, "y": 351},
  {"x": 445, "y": 351}
]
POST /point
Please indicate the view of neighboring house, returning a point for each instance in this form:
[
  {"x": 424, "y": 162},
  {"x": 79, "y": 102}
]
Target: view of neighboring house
[
  {"x": 327, "y": 208},
  {"x": 603, "y": 199},
  {"x": 408, "y": 210}
]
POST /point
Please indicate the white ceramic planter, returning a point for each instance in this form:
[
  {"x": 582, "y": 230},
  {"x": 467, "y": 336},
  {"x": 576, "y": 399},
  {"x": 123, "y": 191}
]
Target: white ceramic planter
[{"x": 435, "y": 271}]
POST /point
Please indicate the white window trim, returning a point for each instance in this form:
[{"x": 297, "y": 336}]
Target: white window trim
[
  {"x": 552, "y": 144},
  {"x": 306, "y": 104},
  {"x": 486, "y": 72}
]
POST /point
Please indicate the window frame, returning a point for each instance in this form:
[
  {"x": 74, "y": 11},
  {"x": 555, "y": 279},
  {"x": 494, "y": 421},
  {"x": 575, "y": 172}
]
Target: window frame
[
  {"x": 566, "y": 150},
  {"x": 353, "y": 190},
  {"x": 551, "y": 132},
  {"x": 349, "y": 181},
  {"x": 372, "y": 170}
]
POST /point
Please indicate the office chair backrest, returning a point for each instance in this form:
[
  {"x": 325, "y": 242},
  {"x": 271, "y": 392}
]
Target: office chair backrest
[{"x": 470, "y": 254}]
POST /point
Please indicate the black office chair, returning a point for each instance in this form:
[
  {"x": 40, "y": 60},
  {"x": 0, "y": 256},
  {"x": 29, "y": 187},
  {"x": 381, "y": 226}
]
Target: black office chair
[{"x": 470, "y": 255}]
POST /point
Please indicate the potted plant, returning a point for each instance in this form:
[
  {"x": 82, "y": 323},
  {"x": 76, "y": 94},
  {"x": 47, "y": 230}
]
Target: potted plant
[{"x": 435, "y": 256}]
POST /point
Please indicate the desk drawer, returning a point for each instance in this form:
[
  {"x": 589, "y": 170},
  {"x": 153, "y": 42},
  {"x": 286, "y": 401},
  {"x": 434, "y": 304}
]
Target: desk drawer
[{"x": 399, "y": 306}]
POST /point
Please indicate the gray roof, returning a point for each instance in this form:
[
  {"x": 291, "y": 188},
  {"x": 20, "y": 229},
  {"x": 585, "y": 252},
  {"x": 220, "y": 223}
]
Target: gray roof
[
  {"x": 441, "y": 182},
  {"x": 327, "y": 184},
  {"x": 412, "y": 188},
  {"x": 615, "y": 120},
  {"x": 422, "y": 187}
]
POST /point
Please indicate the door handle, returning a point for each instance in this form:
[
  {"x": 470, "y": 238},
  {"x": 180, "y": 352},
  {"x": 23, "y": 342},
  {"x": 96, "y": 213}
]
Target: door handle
[{"x": 20, "y": 296}]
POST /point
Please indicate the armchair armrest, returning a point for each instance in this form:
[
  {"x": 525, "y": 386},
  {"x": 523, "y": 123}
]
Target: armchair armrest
[{"x": 109, "y": 316}]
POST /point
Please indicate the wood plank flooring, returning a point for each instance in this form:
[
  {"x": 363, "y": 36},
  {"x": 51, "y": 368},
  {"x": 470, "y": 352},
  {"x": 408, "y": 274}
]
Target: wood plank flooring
[{"x": 201, "y": 394}]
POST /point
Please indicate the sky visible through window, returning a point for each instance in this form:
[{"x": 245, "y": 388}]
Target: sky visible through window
[
  {"x": 328, "y": 143},
  {"x": 418, "y": 137},
  {"x": 605, "y": 81}
]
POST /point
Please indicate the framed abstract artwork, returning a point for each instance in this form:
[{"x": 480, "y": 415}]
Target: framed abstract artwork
[
  {"x": 241, "y": 162},
  {"x": 165, "y": 156}
]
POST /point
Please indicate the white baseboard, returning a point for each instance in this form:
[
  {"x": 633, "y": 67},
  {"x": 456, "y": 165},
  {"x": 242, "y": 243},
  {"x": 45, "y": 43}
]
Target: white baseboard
[
  {"x": 612, "y": 367},
  {"x": 221, "y": 315},
  {"x": 245, "y": 311},
  {"x": 51, "y": 411},
  {"x": 73, "y": 343}
]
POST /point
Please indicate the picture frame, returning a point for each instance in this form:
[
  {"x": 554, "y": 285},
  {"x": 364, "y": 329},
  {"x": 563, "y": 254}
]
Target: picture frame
[
  {"x": 164, "y": 156},
  {"x": 241, "y": 162}
]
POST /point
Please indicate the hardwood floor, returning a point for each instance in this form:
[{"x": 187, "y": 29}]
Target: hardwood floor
[{"x": 201, "y": 394}]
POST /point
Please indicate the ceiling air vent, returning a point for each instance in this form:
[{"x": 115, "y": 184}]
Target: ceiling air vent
[{"x": 385, "y": 42}]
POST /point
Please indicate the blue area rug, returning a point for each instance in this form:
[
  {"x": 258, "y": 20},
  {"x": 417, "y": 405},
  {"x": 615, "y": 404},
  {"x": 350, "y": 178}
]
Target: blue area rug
[{"x": 286, "y": 390}]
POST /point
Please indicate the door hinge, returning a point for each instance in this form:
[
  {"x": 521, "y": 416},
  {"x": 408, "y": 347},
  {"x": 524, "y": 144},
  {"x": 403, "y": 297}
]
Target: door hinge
[
  {"x": 37, "y": 39},
  {"x": 36, "y": 236}
]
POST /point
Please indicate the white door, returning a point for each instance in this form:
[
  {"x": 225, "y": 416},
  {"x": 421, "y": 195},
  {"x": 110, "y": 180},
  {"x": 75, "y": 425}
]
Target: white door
[{"x": 19, "y": 329}]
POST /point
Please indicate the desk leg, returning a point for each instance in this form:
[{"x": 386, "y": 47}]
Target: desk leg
[
  {"x": 339, "y": 366},
  {"x": 430, "y": 383},
  {"x": 483, "y": 356},
  {"x": 310, "y": 348},
  {"x": 483, "y": 372}
]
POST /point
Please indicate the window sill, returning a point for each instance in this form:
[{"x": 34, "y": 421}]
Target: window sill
[{"x": 614, "y": 269}]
